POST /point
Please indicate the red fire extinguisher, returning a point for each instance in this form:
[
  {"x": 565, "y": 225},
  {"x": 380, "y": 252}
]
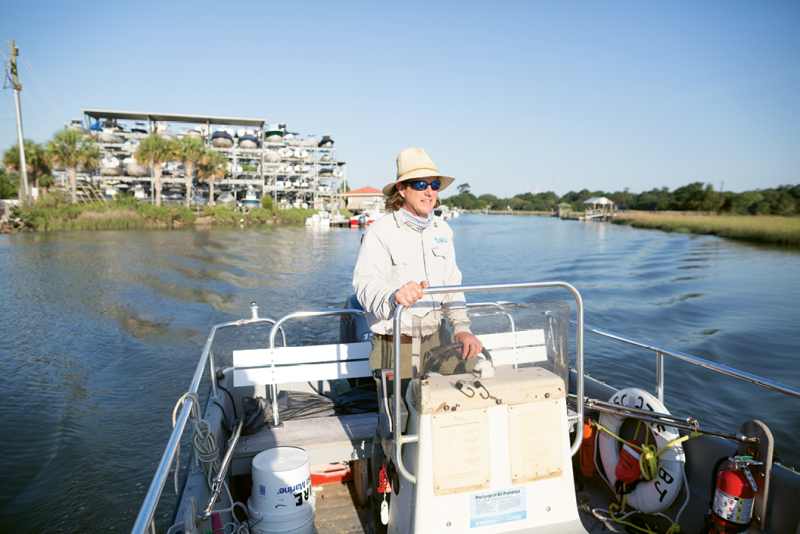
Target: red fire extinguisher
[{"x": 732, "y": 507}]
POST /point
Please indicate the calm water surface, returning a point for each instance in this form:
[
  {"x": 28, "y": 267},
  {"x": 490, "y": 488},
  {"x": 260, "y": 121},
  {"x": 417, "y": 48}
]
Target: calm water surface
[{"x": 100, "y": 333}]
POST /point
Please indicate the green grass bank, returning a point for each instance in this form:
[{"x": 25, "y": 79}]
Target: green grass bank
[
  {"x": 772, "y": 230},
  {"x": 57, "y": 214}
]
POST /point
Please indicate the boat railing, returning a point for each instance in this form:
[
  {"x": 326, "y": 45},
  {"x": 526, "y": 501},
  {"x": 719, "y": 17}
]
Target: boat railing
[
  {"x": 144, "y": 520},
  {"x": 694, "y": 360}
]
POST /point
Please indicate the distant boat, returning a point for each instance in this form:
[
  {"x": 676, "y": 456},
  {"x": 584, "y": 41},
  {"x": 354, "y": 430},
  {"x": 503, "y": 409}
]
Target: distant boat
[
  {"x": 222, "y": 138},
  {"x": 272, "y": 156},
  {"x": 162, "y": 129},
  {"x": 140, "y": 129},
  {"x": 226, "y": 197},
  {"x": 110, "y": 166},
  {"x": 312, "y": 141},
  {"x": 196, "y": 134},
  {"x": 76, "y": 125},
  {"x": 251, "y": 199},
  {"x": 326, "y": 142},
  {"x": 138, "y": 192},
  {"x": 274, "y": 134},
  {"x": 134, "y": 168},
  {"x": 108, "y": 132},
  {"x": 247, "y": 139}
]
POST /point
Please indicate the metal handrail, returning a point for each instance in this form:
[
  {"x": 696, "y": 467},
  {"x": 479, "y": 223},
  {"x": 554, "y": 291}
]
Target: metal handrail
[
  {"x": 694, "y": 360},
  {"x": 399, "y": 439},
  {"x": 145, "y": 517},
  {"x": 277, "y": 326}
]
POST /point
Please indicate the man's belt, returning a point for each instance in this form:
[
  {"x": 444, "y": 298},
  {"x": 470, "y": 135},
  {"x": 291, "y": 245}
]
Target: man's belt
[{"x": 404, "y": 340}]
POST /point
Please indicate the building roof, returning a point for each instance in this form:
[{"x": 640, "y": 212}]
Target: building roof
[
  {"x": 598, "y": 200},
  {"x": 171, "y": 117},
  {"x": 563, "y": 204},
  {"x": 364, "y": 191}
]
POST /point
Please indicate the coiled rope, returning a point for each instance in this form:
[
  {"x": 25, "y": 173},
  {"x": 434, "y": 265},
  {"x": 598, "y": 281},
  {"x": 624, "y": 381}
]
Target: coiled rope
[
  {"x": 648, "y": 463},
  {"x": 203, "y": 441}
]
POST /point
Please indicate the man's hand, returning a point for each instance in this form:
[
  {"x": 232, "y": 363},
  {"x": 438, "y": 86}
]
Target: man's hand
[
  {"x": 409, "y": 293},
  {"x": 472, "y": 345}
]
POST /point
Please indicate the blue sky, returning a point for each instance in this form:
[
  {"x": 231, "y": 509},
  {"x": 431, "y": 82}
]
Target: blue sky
[{"x": 504, "y": 96}]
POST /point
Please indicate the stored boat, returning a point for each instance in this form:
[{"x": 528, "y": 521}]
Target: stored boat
[
  {"x": 76, "y": 125},
  {"x": 247, "y": 139},
  {"x": 111, "y": 166},
  {"x": 275, "y": 134},
  {"x": 512, "y": 441},
  {"x": 139, "y": 129},
  {"x": 222, "y": 138},
  {"x": 134, "y": 168}
]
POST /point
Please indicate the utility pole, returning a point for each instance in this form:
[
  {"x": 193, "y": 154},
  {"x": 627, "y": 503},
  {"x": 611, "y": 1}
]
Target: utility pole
[{"x": 17, "y": 87}]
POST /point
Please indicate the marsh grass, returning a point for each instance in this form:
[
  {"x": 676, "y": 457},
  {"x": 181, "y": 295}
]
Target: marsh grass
[
  {"x": 774, "y": 230},
  {"x": 56, "y": 213}
]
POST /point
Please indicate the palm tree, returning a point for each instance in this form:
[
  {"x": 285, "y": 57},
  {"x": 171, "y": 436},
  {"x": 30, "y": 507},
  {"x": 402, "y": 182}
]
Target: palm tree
[
  {"x": 155, "y": 151},
  {"x": 36, "y": 163},
  {"x": 71, "y": 149},
  {"x": 212, "y": 165},
  {"x": 191, "y": 150}
]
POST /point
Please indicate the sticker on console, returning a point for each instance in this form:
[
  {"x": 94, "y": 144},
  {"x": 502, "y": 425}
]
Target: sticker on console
[{"x": 495, "y": 507}]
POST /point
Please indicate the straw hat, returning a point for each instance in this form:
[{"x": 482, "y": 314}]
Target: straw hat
[{"x": 413, "y": 164}]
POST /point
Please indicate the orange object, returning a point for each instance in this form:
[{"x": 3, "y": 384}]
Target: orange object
[{"x": 587, "y": 449}]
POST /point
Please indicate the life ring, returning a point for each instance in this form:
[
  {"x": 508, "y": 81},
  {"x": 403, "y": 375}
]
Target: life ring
[{"x": 658, "y": 493}]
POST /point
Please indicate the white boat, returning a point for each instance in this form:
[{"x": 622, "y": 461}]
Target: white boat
[
  {"x": 326, "y": 142},
  {"x": 138, "y": 192},
  {"x": 140, "y": 130},
  {"x": 222, "y": 138},
  {"x": 311, "y": 141},
  {"x": 247, "y": 138},
  {"x": 109, "y": 132},
  {"x": 251, "y": 199},
  {"x": 196, "y": 134},
  {"x": 162, "y": 129},
  {"x": 226, "y": 197},
  {"x": 134, "y": 168},
  {"x": 275, "y": 133},
  {"x": 508, "y": 442},
  {"x": 272, "y": 156},
  {"x": 76, "y": 125},
  {"x": 111, "y": 166}
]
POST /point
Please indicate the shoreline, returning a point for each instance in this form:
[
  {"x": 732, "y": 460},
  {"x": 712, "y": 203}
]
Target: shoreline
[{"x": 129, "y": 215}]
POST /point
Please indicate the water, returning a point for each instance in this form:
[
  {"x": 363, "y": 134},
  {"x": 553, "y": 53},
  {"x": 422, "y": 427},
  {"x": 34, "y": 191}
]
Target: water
[{"x": 100, "y": 333}]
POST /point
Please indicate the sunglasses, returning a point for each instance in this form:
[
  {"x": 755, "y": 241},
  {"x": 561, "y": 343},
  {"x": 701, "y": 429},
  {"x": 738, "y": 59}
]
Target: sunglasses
[{"x": 422, "y": 185}]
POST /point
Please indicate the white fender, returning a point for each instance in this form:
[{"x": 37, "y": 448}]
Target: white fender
[{"x": 658, "y": 493}]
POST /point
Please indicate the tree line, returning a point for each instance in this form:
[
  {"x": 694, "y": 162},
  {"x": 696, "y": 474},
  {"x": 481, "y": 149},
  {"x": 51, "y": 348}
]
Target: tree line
[
  {"x": 783, "y": 200},
  {"x": 74, "y": 152}
]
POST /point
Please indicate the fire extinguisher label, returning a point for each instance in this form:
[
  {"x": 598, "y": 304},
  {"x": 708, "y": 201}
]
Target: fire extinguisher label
[{"x": 733, "y": 509}]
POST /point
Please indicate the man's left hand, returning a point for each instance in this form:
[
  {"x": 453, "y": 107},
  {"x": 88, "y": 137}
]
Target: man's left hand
[{"x": 472, "y": 345}]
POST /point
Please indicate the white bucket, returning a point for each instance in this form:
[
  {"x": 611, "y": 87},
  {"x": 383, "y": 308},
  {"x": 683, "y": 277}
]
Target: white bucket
[{"x": 281, "y": 500}]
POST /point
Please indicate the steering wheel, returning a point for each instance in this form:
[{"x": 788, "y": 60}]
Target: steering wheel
[{"x": 436, "y": 357}]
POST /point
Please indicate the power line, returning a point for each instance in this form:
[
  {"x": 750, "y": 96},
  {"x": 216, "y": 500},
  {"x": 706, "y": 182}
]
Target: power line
[{"x": 41, "y": 87}]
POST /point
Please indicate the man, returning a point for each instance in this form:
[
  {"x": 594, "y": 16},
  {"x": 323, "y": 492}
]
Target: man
[{"x": 401, "y": 254}]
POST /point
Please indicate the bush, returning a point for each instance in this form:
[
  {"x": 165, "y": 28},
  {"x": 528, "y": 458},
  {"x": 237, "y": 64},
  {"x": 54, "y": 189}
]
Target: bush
[
  {"x": 260, "y": 216},
  {"x": 266, "y": 202}
]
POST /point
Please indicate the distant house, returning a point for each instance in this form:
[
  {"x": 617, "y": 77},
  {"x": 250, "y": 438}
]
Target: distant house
[
  {"x": 364, "y": 199},
  {"x": 564, "y": 208}
]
